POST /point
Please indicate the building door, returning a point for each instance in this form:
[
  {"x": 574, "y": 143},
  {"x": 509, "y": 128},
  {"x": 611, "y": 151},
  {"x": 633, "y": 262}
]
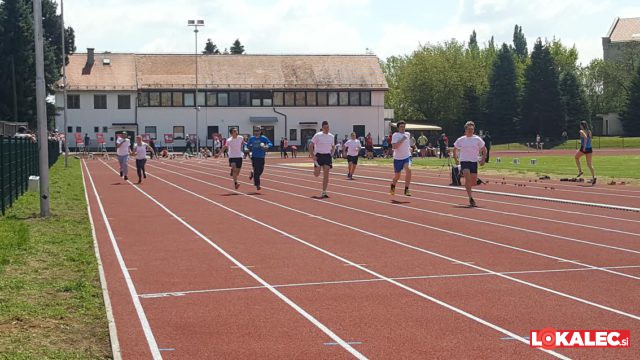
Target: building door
[
  {"x": 210, "y": 131},
  {"x": 305, "y": 136}
]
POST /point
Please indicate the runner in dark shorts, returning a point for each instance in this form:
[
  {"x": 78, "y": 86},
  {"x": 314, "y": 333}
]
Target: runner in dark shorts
[
  {"x": 322, "y": 147},
  {"x": 352, "y": 147},
  {"x": 585, "y": 150},
  {"x": 235, "y": 145}
]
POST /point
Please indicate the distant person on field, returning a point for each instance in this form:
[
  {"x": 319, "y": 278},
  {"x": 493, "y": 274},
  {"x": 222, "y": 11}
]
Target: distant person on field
[
  {"x": 86, "y": 142},
  {"x": 586, "y": 150},
  {"x": 538, "y": 142},
  {"x": 368, "y": 146},
  {"x": 487, "y": 143},
  {"x": 422, "y": 144}
]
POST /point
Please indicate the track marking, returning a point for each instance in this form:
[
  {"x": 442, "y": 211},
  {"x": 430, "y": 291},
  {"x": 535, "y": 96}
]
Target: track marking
[
  {"x": 151, "y": 341},
  {"x": 339, "y": 282},
  {"x": 113, "y": 332},
  {"x": 450, "y": 232},
  {"x": 481, "y": 209},
  {"x": 531, "y": 197},
  {"x": 293, "y": 237},
  {"x": 539, "y": 287},
  {"x": 348, "y": 342},
  {"x": 282, "y": 297}
]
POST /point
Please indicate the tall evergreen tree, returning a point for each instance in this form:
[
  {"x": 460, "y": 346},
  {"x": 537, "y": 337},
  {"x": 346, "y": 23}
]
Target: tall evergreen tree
[
  {"x": 473, "y": 43},
  {"x": 210, "y": 48},
  {"x": 472, "y": 109},
  {"x": 237, "y": 48},
  {"x": 542, "y": 110},
  {"x": 502, "y": 99},
  {"x": 574, "y": 101},
  {"x": 631, "y": 115},
  {"x": 520, "y": 43}
]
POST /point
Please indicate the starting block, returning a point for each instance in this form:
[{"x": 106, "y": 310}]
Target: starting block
[
  {"x": 533, "y": 161},
  {"x": 516, "y": 161},
  {"x": 498, "y": 160}
]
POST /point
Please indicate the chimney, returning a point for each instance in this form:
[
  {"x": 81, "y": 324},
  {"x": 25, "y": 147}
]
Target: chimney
[{"x": 90, "y": 56}]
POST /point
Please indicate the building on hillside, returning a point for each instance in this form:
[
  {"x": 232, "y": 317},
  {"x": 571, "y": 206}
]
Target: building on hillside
[
  {"x": 286, "y": 95},
  {"x": 623, "y": 39}
]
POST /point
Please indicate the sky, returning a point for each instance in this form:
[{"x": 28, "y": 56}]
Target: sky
[{"x": 337, "y": 26}]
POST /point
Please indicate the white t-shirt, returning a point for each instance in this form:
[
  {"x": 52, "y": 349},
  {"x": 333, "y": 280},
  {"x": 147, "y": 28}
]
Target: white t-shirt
[
  {"x": 235, "y": 147},
  {"x": 124, "y": 148},
  {"x": 469, "y": 147},
  {"x": 141, "y": 150},
  {"x": 404, "y": 150},
  {"x": 322, "y": 143},
  {"x": 353, "y": 147}
]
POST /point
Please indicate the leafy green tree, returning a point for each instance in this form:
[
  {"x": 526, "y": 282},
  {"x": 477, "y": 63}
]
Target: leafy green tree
[
  {"x": 502, "y": 99},
  {"x": 237, "y": 48},
  {"x": 542, "y": 110},
  {"x": 210, "y": 48},
  {"x": 631, "y": 115},
  {"x": 473, "y": 43}
]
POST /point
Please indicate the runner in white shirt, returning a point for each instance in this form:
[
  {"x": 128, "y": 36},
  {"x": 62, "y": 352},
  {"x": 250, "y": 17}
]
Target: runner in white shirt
[
  {"x": 465, "y": 152},
  {"x": 401, "y": 143},
  {"x": 235, "y": 146},
  {"x": 140, "y": 152},
  {"x": 322, "y": 147},
  {"x": 352, "y": 147},
  {"x": 123, "y": 145}
]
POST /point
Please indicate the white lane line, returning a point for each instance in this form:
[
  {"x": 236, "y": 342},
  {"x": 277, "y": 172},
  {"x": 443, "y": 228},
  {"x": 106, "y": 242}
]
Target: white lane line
[
  {"x": 280, "y": 295},
  {"x": 539, "y": 287},
  {"x": 380, "y": 276},
  {"x": 113, "y": 333},
  {"x": 424, "y": 225},
  {"x": 490, "y": 192},
  {"x": 340, "y": 282},
  {"x": 581, "y": 225},
  {"x": 151, "y": 341}
]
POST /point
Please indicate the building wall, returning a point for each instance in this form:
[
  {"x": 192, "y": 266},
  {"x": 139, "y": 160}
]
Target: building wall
[
  {"x": 341, "y": 118},
  {"x": 611, "y": 125}
]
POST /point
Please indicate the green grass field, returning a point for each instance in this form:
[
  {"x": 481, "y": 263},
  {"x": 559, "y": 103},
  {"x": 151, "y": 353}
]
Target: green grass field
[
  {"x": 606, "y": 167},
  {"x": 598, "y": 142},
  {"x": 51, "y": 304}
]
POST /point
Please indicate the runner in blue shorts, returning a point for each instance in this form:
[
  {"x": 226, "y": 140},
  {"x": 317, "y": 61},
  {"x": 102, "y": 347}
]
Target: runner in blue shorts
[{"x": 401, "y": 143}]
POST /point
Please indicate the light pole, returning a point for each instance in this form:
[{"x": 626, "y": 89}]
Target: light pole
[
  {"x": 196, "y": 24},
  {"x": 64, "y": 88},
  {"x": 41, "y": 110}
]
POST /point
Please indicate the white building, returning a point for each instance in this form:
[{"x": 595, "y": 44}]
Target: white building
[{"x": 287, "y": 95}]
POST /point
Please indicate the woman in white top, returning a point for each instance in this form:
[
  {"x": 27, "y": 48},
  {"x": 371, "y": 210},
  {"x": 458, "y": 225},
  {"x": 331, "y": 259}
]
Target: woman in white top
[
  {"x": 322, "y": 146},
  {"x": 465, "y": 152},
  {"x": 140, "y": 152},
  {"x": 352, "y": 147},
  {"x": 235, "y": 146}
]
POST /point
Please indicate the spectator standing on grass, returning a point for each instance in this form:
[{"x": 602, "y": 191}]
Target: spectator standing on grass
[
  {"x": 443, "y": 142},
  {"x": 487, "y": 143},
  {"x": 422, "y": 144},
  {"x": 123, "y": 145},
  {"x": 538, "y": 140}
]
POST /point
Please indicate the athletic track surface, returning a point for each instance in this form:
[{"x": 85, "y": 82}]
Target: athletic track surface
[{"x": 193, "y": 269}]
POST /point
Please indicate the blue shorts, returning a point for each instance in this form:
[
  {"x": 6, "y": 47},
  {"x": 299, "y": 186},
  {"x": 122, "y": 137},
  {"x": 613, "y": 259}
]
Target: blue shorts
[{"x": 398, "y": 165}]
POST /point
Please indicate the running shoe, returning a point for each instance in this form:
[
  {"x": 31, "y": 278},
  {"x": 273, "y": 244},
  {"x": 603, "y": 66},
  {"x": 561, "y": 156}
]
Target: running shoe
[
  {"x": 258, "y": 188},
  {"x": 472, "y": 203},
  {"x": 593, "y": 181},
  {"x": 392, "y": 191},
  {"x": 579, "y": 174},
  {"x": 144, "y": 176},
  {"x": 407, "y": 192},
  {"x": 324, "y": 195},
  {"x": 236, "y": 185},
  {"x": 126, "y": 178},
  {"x": 251, "y": 175}
]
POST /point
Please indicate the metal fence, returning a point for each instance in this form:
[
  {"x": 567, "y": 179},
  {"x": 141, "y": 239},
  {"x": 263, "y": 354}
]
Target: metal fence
[{"x": 18, "y": 161}]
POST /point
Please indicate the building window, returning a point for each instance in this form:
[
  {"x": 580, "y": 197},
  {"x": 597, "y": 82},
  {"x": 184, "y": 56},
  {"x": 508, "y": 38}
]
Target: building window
[
  {"x": 322, "y": 98},
  {"x": 212, "y": 99},
  {"x": 69, "y": 129},
  {"x": 300, "y": 98},
  {"x": 105, "y": 129},
  {"x": 311, "y": 98},
  {"x": 78, "y": 129},
  {"x": 201, "y": 98},
  {"x": 234, "y": 98},
  {"x": 143, "y": 99},
  {"x": 289, "y": 98},
  {"x": 365, "y": 98},
  {"x": 154, "y": 99},
  {"x": 165, "y": 99},
  {"x": 261, "y": 98},
  {"x": 344, "y": 98},
  {"x": 73, "y": 101},
  {"x": 189, "y": 99},
  {"x": 278, "y": 98},
  {"x": 96, "y": 129},
  {"x": 99, "y": 101},
  {"x": 245, "y": 97},
  {"x": 152, "y": 131},
  {"x": 124, "y": 101},
  {"x": 177, "y": 98},
  {"x": 178, "y": 132},
  {"x": 293, "y": 134},
  {"x": 333, "y": 98},
  {"x": 223, "y": 99},
  {"x": 354, "y": 98}
]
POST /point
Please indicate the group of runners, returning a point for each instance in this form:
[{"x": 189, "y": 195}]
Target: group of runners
[{"x": 469, "y": 152}]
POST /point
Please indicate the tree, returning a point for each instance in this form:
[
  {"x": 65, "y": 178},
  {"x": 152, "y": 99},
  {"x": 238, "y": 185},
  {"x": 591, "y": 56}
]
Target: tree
[
  {"x": 574, "y": 101},
  {"x": 471, "y": 109},
  {"x": 502, "y": 99},
  {"x": 473, "y": 43},
  {"x": 237, "y": 48},
  {"x": 210, "y": 48},
  {"x": 566, "y": 59},
  {"x": 542, "y": 110},
  {"x": 520, "y": 43},
  {"x": 631, "y": 115}
]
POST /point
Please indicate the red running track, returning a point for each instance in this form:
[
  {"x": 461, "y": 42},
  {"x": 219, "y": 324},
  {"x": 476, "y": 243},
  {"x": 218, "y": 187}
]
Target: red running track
[{"x": 219, "y": 273}]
